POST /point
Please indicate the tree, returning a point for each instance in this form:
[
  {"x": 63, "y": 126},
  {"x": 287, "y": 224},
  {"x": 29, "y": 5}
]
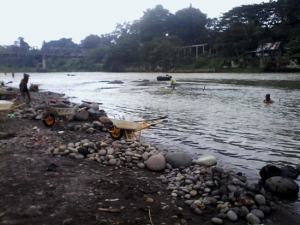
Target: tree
[
  {"x": 243, "y": 28},
  {"x": 61, "y": 43},
  {"x": 97, "y": 55},
  {"x": 191, "y": 26},
  {"x": 125, "y": 51},
  {"x": 161, "y": 51},
  {"x": 23, "y": 45},
  {"x": 155, "y": 23},
  {"x": 91, "y": 41}
]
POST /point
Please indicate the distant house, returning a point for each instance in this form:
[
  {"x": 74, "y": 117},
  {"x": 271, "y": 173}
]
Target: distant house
[{"x": 267, "y": 50}]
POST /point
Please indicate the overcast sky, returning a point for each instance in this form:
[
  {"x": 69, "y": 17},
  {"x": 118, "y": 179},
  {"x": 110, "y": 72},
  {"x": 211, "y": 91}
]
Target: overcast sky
[{"x": 46, "y": 20}]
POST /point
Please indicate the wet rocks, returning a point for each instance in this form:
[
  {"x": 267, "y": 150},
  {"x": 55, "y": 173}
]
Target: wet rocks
[
  {"x": 156, "y": 163},
  {"x": 83, "y": 115},
  {"x": 178, "y": 159},
  {"x": 282, "y": 186},
  {"x": 206, "y": 161},
  {"x": 34, "y": 88}
]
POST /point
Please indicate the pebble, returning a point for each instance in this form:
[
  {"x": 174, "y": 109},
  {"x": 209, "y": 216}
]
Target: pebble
[
  {"x": 261, "y": 200},
  {"x": 252, "y": 219},
  {"x": 149, "y": 200},
  {"x": 216, "y": 220},
  {"x": 258, "y": 213},
  {"x": 232, "y": 215}
]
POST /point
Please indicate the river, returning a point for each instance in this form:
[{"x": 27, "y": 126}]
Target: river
[{"x": 209, "y": 114}]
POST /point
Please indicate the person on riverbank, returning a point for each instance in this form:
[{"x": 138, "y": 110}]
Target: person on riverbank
[
  {"x": 173, "y": 83},
  {"x": 268, "y": 99},
  {"x": 23, "y": 87}
]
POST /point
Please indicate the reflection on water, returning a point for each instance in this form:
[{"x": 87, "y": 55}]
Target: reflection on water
[{"x": 218, "y": 114}]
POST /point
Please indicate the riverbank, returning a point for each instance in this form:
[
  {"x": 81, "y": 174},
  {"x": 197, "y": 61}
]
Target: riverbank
[{"x": 45, "y": 188}]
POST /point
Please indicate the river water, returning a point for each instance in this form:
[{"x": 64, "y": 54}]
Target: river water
[{"x": 209, "y": 114}]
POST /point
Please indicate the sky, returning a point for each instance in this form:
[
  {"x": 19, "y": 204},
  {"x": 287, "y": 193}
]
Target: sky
[{"x": 46, "y": 20}]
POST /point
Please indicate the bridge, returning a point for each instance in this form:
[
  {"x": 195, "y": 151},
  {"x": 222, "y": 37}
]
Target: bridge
[
  {"x": 43, "y": 53},
  {"x": 12, "y": 50}
]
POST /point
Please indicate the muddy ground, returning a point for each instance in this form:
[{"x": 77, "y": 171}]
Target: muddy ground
[{"x": 39, "y": 189}]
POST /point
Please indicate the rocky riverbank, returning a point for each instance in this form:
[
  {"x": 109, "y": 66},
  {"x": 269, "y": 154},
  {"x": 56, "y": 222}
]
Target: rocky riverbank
[{"x": 76, "y": 174}]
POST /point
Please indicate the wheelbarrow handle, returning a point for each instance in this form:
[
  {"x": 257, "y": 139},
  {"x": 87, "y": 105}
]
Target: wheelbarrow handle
[{"x": 158, "y": 118}]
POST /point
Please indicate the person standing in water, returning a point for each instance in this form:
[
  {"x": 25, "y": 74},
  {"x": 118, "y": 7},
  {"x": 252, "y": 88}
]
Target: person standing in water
[
  {"x": 268, "y": 99},
  {"x": 173, "y": 83}
]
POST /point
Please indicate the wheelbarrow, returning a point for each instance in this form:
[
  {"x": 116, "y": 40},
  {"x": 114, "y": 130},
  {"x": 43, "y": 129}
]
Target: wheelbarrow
[
  {"x": 57, "y": 110},
  {"x": 7, "y": 106},
  {"x": 131, "y": 129}
]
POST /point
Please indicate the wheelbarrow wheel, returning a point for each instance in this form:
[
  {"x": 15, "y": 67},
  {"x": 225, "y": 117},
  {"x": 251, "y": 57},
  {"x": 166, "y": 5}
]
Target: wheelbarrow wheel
[
  {"x": 116, "y": 133},
  {"x": 49, "y": 120}
]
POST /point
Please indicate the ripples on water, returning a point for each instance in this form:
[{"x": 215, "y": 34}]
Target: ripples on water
[{"x": 218, "y": 114}]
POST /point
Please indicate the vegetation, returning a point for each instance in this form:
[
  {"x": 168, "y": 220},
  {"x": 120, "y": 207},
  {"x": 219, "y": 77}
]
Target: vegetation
[{"x": 159, "y": 40}]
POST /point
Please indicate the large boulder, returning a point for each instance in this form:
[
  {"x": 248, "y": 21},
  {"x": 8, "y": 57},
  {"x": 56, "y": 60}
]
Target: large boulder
[
  {"x": 105, "y": 120},
  {"x": 282, "y": 186},
  {"x": 285, "y": 171},
  {"x": 269, "y": 171},
  {"x": 156, "y": 163},
  {"x": 95, "y": 106},
  {"x": 34, "y": 88},
  {"x": 178, "y": 159},
  {"x": 208, "y": 160},
  {"x": 93, "y": 114},
  {"x": 82, "y": 115}
]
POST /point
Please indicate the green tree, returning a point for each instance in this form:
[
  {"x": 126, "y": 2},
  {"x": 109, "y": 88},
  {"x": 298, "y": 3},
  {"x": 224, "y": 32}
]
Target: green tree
[
  {"x": 242, "y": 29},
  {"x": 91, "y": 41},
  {"x": 23, "y": 45},
  {"x": 155, "y": 23},
  {"x": 162, "y": 52},
  {"x": 125, "y": 51},
  {"x": 191, "y": 26},
  {"x": 61, "y": 43}
]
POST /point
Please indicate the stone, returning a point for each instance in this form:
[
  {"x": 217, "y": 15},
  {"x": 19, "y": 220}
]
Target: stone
[
  {"x": 282, "y": 186},
  {"x": 102, "y": 152},
  {"x": 258, "y": 213},
  {"x": 260, "y": 200},
  {"x": 110, "y": 151},
  {"x": 105, "y": 120},
  {"x": 193, "y": 193},
  {"x": 243, "y": 212},
  {"x": 208, "y": 160},
  {"x": 145, "y": 156},
  {"x": 252, "y": 219},
  {"x": 265, "y": 209},
  {"x": 82, "y": 115},
  {"x": 83, "y": 150},
  {"x": 112, "y": 162},
  {"x": 232, "y": 215},
  {"x": 92, "y": 112},
  {"x": 141, "y": 165},
  {"x": 216, "y": 220},
  {"x": 79, "y": 156},
  {"x": 156, "y": 163},
  {"x": 34, "y": 88},
  {"x": 95, "y": 106},
  {"x": 178, "y": 159}
]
